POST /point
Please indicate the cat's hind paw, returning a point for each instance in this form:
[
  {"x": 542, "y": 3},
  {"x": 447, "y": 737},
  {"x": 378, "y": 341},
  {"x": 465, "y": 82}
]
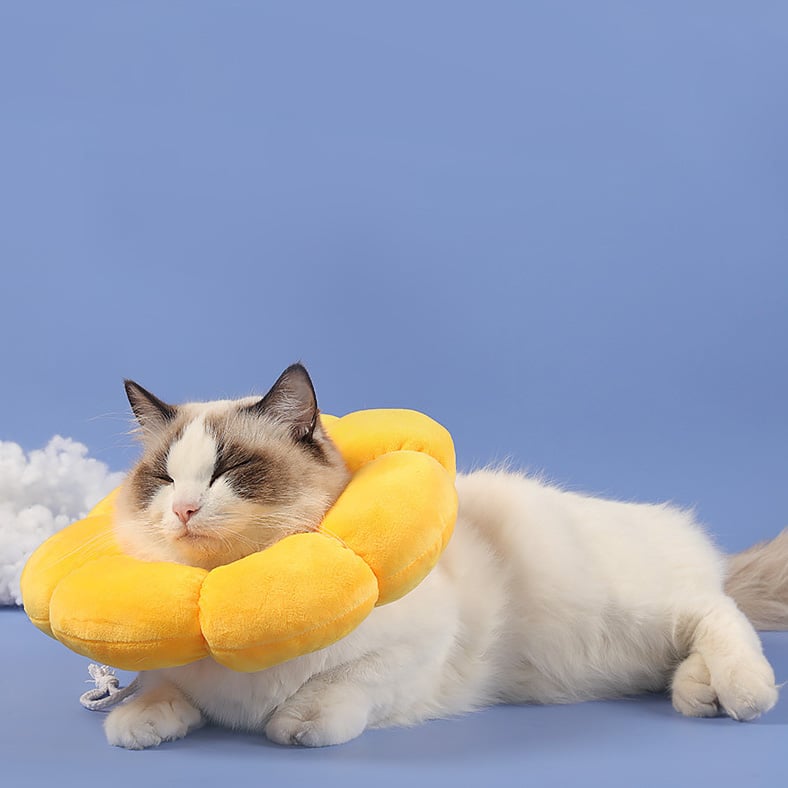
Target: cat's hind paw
[
  {"x": 743, "y": 689},
  {"x": 691, "y": 689},
  {"x": 747, "y": 689}
]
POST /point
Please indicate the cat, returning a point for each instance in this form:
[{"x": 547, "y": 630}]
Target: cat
[{"x": 542, "y": 595}]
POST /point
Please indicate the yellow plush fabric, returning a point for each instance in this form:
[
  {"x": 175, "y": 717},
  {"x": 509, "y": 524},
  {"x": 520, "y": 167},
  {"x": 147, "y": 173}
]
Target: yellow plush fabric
[{"x": 378, "y": 541}]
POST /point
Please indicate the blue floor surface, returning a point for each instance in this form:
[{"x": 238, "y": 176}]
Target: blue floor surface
[{"x": 46, "y": 738}]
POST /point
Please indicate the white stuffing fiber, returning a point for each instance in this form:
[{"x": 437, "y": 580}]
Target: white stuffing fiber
[{"x": 40, "y": 493}]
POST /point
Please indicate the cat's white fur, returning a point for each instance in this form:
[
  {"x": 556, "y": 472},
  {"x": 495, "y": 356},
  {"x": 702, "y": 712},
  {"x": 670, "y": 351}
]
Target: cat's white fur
[{"x": 541, "y": 596}]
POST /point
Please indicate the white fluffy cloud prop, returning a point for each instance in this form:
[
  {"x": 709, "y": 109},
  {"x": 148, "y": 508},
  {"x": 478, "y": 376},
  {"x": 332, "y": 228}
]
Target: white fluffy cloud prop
[{"x": 41, "y": 492}]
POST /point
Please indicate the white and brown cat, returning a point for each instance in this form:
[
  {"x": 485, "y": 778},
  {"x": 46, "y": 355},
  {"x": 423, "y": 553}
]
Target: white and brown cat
[{"x": 542, "y": 596}]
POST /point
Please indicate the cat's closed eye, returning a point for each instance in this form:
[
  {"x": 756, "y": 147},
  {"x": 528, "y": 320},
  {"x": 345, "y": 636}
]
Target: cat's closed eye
[
  {"x": 221, "y": 470},
  {"x": 164, "y": 478}
]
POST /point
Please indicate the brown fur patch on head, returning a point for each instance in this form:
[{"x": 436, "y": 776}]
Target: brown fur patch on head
[
  {"x": 265, "y": 464},
  {"x": 147, "y": 475}
]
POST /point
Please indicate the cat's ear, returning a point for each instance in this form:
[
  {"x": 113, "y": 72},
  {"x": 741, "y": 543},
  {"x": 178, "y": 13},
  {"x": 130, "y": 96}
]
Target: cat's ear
[
  {"x": 291, "y": 401},
  {"x": 152, "y": 413}
]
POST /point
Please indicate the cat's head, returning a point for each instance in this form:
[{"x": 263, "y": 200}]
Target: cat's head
[{"x": 221, "y": 480}]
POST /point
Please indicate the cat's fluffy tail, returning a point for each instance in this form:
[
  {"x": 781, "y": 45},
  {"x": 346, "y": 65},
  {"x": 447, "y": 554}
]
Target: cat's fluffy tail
[{"x": 758, "y": 581}]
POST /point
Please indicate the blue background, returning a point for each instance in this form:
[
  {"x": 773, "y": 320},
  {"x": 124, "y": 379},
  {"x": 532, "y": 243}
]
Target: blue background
[{"x": 558, "y": 227}]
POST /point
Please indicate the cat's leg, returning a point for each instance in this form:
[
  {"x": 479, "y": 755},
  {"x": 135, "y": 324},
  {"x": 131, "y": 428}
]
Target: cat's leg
[
  {"x": 160, "y": 713},
  {"x": 725, "y": 666},
  {"x": 390, "y": 671}
]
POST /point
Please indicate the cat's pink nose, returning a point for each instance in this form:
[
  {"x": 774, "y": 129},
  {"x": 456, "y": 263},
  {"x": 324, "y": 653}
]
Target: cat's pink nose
[{"x": 185, "y": 511}]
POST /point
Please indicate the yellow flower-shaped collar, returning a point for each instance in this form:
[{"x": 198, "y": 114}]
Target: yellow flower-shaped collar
[{"x": 379, "y": 540}]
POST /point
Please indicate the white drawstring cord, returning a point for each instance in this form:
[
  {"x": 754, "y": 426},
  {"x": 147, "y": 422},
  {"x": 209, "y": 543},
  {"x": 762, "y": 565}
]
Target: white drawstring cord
[{"x": 107, "y": 691}]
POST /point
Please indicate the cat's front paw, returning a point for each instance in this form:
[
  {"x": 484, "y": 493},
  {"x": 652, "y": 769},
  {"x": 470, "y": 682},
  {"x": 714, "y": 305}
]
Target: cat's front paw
[
  {"x": 149, "y": 720},
  {"x": 318, "y": 716}
]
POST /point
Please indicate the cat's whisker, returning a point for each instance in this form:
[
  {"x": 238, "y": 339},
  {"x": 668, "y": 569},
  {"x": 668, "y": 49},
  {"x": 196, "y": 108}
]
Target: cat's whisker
[{"x": 99, "y": 539}]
